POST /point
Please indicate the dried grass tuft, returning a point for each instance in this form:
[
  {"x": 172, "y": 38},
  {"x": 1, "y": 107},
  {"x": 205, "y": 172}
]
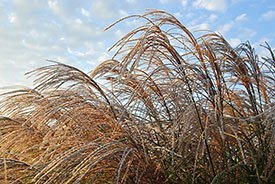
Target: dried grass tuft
[{"x": 170, "y": 107}]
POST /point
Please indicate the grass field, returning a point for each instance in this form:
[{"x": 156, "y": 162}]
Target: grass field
[{"x": 169, "y": 107}]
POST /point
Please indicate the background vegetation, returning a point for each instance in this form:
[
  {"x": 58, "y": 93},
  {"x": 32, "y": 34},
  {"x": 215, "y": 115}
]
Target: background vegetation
[{"x": 169, "y": 107}]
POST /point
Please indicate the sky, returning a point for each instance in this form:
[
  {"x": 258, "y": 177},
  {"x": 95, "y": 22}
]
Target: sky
[{"x": 72, "y": 32}]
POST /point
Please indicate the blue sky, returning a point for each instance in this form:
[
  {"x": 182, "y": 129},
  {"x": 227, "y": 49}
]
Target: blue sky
[{"x": 32, "y": 31}]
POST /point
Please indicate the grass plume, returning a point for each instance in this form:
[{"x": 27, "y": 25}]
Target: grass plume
[{"x": 169, "y": 107}]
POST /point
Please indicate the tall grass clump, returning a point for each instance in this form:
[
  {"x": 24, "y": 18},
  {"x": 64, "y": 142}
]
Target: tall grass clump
[{"x": 169, "y": 107}]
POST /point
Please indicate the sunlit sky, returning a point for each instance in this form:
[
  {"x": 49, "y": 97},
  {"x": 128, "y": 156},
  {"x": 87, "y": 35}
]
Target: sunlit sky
[{"x": 32, "y": 31}]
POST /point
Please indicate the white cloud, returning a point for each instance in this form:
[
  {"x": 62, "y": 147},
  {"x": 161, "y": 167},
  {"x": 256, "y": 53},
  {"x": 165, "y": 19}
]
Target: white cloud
[
  {"x": 85, "y": 12},
  {"x": 163, "y": 1},
  {"x": 72, "y": 32},
  {"x": 53, "y": 5},
  {"x": 31, "y": 37},
  {"x": 184, "y": 3},
  {"x": 261, "y": 51},
  {"x": 123, "y": 13},
  {"x": 103, "y": 57},
  {"x": 104, "y": 9},
  {"x": 133, "y": 23},
  {"x": 211, "y": 5},
  {"x": 234, "y": 42},
  {"x": 78, "y": 21},
  {"x": 236, "y": 1},
  {"x": 204, "y": 26},
  {"x": 212, "y": 17},
  {"x": 2, "y": 16},
  {"x": 241, "y": 18},
  {"x": 225, "y": 28},
  {"x": 12, "y": 17},
  {"x": 248, "y": 32},
  {"x": 131, "y": 1},
  {"x": 270, "y": 15},
  {"x": 177, "y": 15},
  {"x": 119, "y": 33}
]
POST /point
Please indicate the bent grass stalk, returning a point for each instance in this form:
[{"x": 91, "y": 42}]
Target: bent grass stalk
[{"x": 169, "y": 107}]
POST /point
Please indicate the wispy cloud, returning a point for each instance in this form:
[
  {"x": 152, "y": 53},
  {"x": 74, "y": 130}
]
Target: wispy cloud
[
  {"x": 212, "y": 17},
  {"x": 269, "y": 15},
  {"x": 211, "y": 5},
  {"x": 248, "y": 32},
  {"x": 184, "y": 3},
  {"x": 203, "y": 26},
  {"x": 225, "y": 28},
  {"x": 234, "y": 42},
  {"x": 32, "y": 31},
  {"x": 104, "y": 9},
  {"x": 85, "y": 12},
  {"x": 163, "y": 1},
  {"x": 241, "y": 18},
  {"x": 26, "y": 41},
  {"x": 131, "y": 1}
]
